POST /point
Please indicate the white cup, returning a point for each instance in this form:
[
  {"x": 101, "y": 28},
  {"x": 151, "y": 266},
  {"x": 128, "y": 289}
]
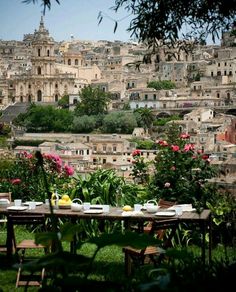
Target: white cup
[
  {"x": 18, "y": 202},
  {"x": 137, "y": 207},
  {"x": 32, "y": 205},
  {"x": 178, "y": 210},
  {"x": 86, "y": 206},
  {"x": 106, "y": 208}
]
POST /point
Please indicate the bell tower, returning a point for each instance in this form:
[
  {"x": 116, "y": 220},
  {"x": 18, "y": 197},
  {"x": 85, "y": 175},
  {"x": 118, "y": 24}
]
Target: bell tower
[{"x": 43, "y": 60}]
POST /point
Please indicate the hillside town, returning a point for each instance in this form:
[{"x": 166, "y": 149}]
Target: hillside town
[{"x": 40, "y": 70}]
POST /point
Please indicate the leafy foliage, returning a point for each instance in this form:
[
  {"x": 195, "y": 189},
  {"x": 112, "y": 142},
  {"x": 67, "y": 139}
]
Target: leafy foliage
[
  {"x": 181, "y": 172},
  {"x": 84, "y": 124},
  {"x": 159, "y": 85},
  {"x": 164, "y": 20},
  {"x": 93, "y": 101},
  {"x": 45, "y": 119},
  {"x": 119, "y": 122},
  {"x": 64, "y": 102}
]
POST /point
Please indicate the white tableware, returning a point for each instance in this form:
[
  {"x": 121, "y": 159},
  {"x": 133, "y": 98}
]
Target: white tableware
[
  {"x": 32, "y": 205},
  {"x": 137, "y": 207},
  {"x": 17, "y": 208},
  {"x": 165, "y": 213},
  {"x": 36, "y": 203},
  {"x": 86, "y": 206},
  {"x": 17, "y": 202},
  {"x": 4, "y": 202},
  {"x": 106, "y": 208},
  {"x": 184, "y": 207},
  {"x": 151, "y": 206},
  {"x": 76, "y": 205},
  {"x": 93, "y": 211},
  {"x": 47, "y": 203},
  {"x": 96, "y": 206}
]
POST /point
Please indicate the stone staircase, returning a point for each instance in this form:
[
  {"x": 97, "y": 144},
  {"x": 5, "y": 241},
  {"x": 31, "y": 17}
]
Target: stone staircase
[{"x": 12, "y": 111}]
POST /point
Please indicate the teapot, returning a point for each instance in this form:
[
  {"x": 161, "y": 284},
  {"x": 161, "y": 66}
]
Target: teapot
[
  {"x": 76, "y": 205},
  {"x": 152, "y": 206}
]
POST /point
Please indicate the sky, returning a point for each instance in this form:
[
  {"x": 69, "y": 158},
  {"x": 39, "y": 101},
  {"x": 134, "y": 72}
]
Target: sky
[{"x": 77, "y": 18}]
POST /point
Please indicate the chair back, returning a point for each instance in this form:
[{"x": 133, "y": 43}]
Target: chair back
[
  {"x": 36, "y": 220},
  {"x": 166, "y": 204},
  {"x": 6, "y": 195}
]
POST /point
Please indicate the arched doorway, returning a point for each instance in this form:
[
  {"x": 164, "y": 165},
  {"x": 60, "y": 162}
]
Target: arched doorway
[{"x": 39, "y": 95}]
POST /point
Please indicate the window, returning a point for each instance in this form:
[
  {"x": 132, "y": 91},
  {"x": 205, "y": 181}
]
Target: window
[
  {"x": 39, "y": 70},
  {"x": 145, "y": 96},
  {"x": 218, "y": 95},
  {"x": 76, "y": 62},
  {"x": 212, "y": 74},
  {"x": 69, "y": 62},
  {"x": 29, "y": 98},
  {"x": 154, "y": 96},
  {"x": 56, "y": 85},
  {"x": 21, "y": 98},
  {"x": 104, "y": 161},
  {"x": 56, "y": 98},
  {"x": 114, "y": 148},
  {"x": 48, "y": 53},
  {"x": 39, "y": 95},
  {"x": 39, "y": 52},
  {"x": 94, "y": 148}
]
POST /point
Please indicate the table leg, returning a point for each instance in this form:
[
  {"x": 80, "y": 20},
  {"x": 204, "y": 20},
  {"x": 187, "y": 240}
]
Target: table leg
[
  {"x": 203, "y": 227},
  {"x": 210, "y": 240},
  {"x": 9, "y": 240}
]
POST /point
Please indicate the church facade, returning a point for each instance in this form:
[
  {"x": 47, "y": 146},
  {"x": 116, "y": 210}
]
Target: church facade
[{"x": 43, "y": 82}]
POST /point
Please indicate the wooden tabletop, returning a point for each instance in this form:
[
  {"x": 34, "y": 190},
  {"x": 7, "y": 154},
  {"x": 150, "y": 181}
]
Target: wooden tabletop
[{"x": 115, "y": 213}]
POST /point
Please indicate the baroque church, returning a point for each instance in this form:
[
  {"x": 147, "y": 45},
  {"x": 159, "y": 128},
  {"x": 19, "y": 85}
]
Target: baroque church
[{"x": 43, "y": 83}]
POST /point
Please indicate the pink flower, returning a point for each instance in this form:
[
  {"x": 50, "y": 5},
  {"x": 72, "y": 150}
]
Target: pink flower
[
  {"x": 188, "y": 147},
  {"x": 167, "y": 185},
  {"x": 162, "y": 143},
  {"x": 69, "y": 170},
  {"x": 175, "y": 148},
  {"x": 136, "y": 152},
  {"x": 184, "y": 136},
  {"x": 16, "y": 181},
  {"x": 173, "y": 168}
]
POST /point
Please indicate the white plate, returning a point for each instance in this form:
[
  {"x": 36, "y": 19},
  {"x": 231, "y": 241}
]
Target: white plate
[
  {"x": 17, "y": 208},
  {"x": 184, "y": 207},
  {"x": 93, "y": 211},
  {"x": 36, "y": 203},
  {"x": 165, "y": 213},
  {"x": 96, "y": 206}
]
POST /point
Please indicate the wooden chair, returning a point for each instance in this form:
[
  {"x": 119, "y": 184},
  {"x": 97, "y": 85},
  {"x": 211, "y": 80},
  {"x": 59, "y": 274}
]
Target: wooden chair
[
  {"x": 3, "y": 219},
  {"x": 151, "y": 254},
  {"x": 32, "y": 221},
  {"x": 159, "y": 228}
]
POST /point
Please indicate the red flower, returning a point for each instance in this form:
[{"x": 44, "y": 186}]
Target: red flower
[
  {"x": 175, "y": 148},
  {"x": 16, "y": 181},
  {"x": 136, "y": 152}
]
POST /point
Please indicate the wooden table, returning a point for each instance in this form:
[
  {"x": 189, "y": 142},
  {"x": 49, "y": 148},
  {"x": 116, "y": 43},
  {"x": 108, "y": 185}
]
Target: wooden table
[{"x": 203, "y": 220}]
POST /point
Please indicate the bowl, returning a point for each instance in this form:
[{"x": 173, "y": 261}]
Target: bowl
[
  {"x": 4, "y": 202},
  {"x": 76, "y": 205}
]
